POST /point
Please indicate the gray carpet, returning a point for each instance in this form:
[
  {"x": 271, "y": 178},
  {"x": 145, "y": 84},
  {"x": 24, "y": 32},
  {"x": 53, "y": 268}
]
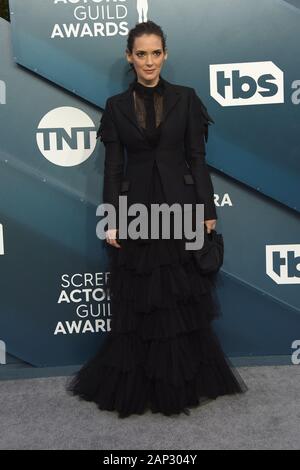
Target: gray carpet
[{"x": 39, "y": 414}]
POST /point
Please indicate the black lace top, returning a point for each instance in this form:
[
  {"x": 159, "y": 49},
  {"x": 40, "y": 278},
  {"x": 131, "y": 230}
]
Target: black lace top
[{"x": 149, "y": 108}]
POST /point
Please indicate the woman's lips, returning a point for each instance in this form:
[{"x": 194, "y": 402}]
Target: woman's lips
[{"x": 149, "y": 71}]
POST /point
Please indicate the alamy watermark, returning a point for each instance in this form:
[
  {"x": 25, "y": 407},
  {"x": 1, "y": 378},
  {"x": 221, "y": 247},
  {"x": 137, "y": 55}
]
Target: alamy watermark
[
  {"x": 2, "y": 352},
  {"x": 184, "y": 218},
  {"x": 295, "y": 358}
]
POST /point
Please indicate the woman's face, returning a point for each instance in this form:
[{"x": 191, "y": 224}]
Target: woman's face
[{"x": 147, "y": 54}]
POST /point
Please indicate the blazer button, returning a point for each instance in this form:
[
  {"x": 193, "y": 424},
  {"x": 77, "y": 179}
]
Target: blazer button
[
  {"x": 125, "y": 184},
  {"x": 188, "y": 178}
]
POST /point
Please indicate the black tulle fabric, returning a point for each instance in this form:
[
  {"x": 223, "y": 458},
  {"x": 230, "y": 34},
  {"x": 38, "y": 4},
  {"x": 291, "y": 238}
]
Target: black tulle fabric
[{"x": 162, "y": 353}]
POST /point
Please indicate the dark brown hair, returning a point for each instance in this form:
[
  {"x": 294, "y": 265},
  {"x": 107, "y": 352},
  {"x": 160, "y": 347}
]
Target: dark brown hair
[{"x": 147, "y": 27}]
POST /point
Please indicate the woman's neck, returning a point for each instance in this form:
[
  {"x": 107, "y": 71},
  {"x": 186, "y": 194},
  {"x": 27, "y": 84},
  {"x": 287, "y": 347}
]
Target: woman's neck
[{"x": 149, "y": 85}]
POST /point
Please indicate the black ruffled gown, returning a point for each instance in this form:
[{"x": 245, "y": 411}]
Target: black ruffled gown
[{"x": 161, "y": 353}]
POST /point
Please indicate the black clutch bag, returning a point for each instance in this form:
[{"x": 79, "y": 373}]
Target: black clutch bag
[{"x": 209, "y": 258}]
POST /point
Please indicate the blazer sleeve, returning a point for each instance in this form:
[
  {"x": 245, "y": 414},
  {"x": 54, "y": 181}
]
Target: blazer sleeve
[
  {"x": 114, "y": 157},
  {"x": 196, "y": 135}
]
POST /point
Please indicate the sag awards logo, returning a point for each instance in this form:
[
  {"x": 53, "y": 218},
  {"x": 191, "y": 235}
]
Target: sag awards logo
[
  {"x": 66, "y": 136},
  {"x": 247, "y": 83},
  {"x": 93, "y": 18},
  {"x": 90, "y": 296},
  {"x": 283, "y": 263}
]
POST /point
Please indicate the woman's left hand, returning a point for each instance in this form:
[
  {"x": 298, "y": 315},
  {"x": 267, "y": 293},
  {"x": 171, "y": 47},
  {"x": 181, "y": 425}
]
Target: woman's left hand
[{"x": 210, "y": 224}]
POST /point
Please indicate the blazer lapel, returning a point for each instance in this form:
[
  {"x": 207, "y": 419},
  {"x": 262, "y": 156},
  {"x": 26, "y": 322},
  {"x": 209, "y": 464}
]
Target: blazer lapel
[{"x": 125, "y": 103}]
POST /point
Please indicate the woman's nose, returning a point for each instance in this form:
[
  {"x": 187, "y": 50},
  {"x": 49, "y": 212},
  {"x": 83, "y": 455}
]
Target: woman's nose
[{"x": 149, "y": 61}]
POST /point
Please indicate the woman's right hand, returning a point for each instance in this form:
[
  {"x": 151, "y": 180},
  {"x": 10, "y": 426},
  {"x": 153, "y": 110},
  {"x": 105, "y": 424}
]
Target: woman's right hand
[{"x": 110, "y": 236}]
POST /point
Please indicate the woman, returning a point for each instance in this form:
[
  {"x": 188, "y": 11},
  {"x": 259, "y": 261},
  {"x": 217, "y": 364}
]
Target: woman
[{"x": 161, "y": 352}]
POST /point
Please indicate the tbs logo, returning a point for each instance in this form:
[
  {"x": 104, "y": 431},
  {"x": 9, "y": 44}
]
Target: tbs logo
[
  {"x": 283, "y": 263},
  {"x": 2, "y": 92},
  {"x": 1, "y": 240},
  {"x": 246, "y": 83}
]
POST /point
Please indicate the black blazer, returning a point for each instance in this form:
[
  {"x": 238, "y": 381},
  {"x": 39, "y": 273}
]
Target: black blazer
[{"x": 180, "y": 154}]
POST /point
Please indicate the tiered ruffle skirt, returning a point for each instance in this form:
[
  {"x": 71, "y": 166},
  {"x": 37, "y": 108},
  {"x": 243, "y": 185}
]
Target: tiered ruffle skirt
[{"x": 162, "y": 353}]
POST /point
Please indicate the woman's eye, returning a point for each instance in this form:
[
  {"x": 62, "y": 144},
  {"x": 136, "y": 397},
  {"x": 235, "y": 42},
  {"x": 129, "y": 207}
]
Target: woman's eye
[{"x": 141, "y": 54}]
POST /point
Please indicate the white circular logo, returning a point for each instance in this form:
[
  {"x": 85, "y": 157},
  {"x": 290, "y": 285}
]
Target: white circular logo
[{"x": 66, "y": 136}]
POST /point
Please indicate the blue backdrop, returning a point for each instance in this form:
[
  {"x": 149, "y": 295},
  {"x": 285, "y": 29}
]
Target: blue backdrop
[{"x": 59, "y": 62}]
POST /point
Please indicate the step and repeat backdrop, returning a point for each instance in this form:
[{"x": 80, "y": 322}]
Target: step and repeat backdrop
[{"x": 59, "y": 62}]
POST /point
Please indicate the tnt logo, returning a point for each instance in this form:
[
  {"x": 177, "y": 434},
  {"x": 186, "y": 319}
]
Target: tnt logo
[
  {"x": 283, "y": 263},
  {"x": 246, "y": 83},
  {"x": 66, "y": 136},
  {"x": 2, "y": 352}
]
